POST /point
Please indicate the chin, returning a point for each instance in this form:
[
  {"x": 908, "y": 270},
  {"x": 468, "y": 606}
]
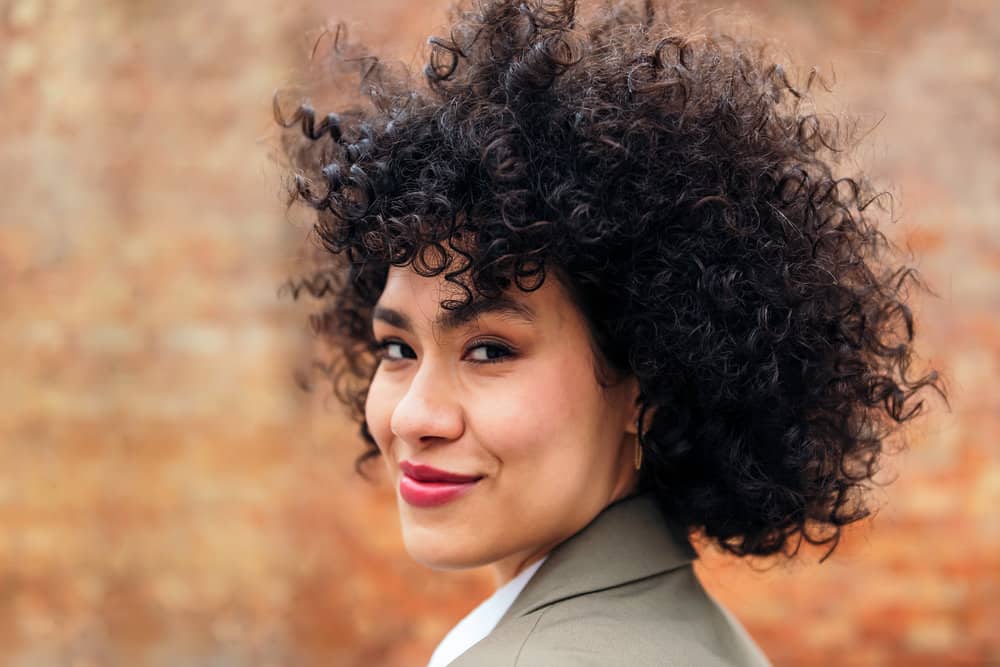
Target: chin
[
  {"x": 436, "y": 559},
  {"x": 438, "y": 552}
]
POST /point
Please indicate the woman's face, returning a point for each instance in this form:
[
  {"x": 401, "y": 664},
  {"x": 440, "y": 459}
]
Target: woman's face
[{"x": 508, "y": 397}]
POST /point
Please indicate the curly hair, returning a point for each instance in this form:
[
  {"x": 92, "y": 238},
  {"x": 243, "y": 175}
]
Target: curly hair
[{"x": 676, "y": 182}]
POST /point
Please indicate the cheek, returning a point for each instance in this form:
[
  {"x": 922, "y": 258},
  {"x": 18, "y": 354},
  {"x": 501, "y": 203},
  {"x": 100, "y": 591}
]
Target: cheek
[
  {"x": 548, "y": 405},
  {"x": 379, "y": 405}
]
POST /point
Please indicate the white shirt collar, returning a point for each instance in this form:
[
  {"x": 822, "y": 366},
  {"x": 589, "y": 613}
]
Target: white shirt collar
[{"x": 481, "y": 620}]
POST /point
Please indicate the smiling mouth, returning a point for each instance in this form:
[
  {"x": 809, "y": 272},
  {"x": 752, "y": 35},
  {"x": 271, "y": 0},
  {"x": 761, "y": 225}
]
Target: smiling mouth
[
  {"x": 429, "y": 474},
  {"x": 426, "y": 486},
  {"x": 434, "y": 493}
]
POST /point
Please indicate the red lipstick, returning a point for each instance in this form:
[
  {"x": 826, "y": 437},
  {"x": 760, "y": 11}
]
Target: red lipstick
[{"x": 424, "y": 486}]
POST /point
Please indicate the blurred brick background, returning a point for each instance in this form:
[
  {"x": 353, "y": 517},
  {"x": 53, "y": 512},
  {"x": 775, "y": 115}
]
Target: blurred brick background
[{"x": 169, "y": 498}]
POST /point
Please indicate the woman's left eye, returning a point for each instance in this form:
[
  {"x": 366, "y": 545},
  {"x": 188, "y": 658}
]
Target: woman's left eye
[{"x": 488, "y": 353}]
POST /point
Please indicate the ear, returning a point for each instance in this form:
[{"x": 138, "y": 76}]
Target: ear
[{"x": 632, "y": 398}]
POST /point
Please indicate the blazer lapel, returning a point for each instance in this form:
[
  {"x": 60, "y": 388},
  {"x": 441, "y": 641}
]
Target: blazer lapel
[{"x": 628, "y": 540}]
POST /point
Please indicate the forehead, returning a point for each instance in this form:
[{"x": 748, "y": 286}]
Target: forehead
[
  {"x": 409, "y": 296},
  {"x": 403, "y": 284}
]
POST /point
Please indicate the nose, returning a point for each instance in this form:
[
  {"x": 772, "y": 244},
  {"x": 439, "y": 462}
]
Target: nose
[{"x": 429, "y": 411}]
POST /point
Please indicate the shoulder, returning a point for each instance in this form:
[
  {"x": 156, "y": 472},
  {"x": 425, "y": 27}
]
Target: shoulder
[
  {"x": 666, "y": 619},
  {"x": 620, "y": 592}
]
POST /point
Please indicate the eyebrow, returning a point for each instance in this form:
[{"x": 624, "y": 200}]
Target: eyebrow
[{"x": 453, "y": 319}]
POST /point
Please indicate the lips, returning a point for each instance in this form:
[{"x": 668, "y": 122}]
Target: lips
[
  {"x": 424, "y": 486},
  {"x": 425, "y": 473}
]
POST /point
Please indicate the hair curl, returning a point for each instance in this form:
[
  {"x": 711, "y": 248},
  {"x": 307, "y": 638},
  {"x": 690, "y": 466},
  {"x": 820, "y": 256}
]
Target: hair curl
[{"x": 676, "y": 182}]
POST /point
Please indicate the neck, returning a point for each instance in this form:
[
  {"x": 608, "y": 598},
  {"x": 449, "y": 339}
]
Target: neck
[{"x": 504, "y": 571}]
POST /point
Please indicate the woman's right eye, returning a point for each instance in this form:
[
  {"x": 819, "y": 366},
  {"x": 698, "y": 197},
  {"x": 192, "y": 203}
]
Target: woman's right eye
[{"x": 395, "y": 350}]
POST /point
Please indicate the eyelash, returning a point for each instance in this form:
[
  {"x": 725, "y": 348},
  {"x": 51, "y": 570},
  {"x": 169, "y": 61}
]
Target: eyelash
[{"x": 382, "y": 347}]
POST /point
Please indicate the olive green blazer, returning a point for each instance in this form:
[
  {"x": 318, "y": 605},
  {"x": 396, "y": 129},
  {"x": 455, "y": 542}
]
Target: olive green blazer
[{"x": 620, "y": 592}]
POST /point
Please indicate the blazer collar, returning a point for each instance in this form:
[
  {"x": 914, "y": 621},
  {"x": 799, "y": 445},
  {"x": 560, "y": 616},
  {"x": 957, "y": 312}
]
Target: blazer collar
[{"x": 628, "y": 540}]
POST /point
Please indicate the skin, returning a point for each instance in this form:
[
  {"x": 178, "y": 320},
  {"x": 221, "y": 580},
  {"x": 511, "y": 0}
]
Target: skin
[{"x": 510, "y": 394}]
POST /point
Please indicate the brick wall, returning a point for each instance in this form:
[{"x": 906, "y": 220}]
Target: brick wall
[{"x": 168, "y": 497}]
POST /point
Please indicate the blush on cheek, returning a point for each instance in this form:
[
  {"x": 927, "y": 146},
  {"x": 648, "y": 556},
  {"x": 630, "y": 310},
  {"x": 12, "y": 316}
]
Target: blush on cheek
[{"x": 540, "y": 406}]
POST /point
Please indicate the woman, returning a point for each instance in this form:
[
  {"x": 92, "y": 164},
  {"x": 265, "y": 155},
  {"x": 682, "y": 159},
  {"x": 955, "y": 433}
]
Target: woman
[{"x": 595, "y": 287}]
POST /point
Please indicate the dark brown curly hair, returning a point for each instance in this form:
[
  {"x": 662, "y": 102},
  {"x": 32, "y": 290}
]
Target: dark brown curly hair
[{"x": 676, "y": 183}]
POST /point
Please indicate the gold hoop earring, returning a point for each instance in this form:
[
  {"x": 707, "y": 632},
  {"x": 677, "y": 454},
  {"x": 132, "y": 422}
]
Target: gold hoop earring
[{"x": 638, "y": 453}]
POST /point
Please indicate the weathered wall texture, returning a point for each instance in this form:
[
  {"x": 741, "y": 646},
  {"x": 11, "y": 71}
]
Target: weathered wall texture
[{"x": 169, "y": 498}]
